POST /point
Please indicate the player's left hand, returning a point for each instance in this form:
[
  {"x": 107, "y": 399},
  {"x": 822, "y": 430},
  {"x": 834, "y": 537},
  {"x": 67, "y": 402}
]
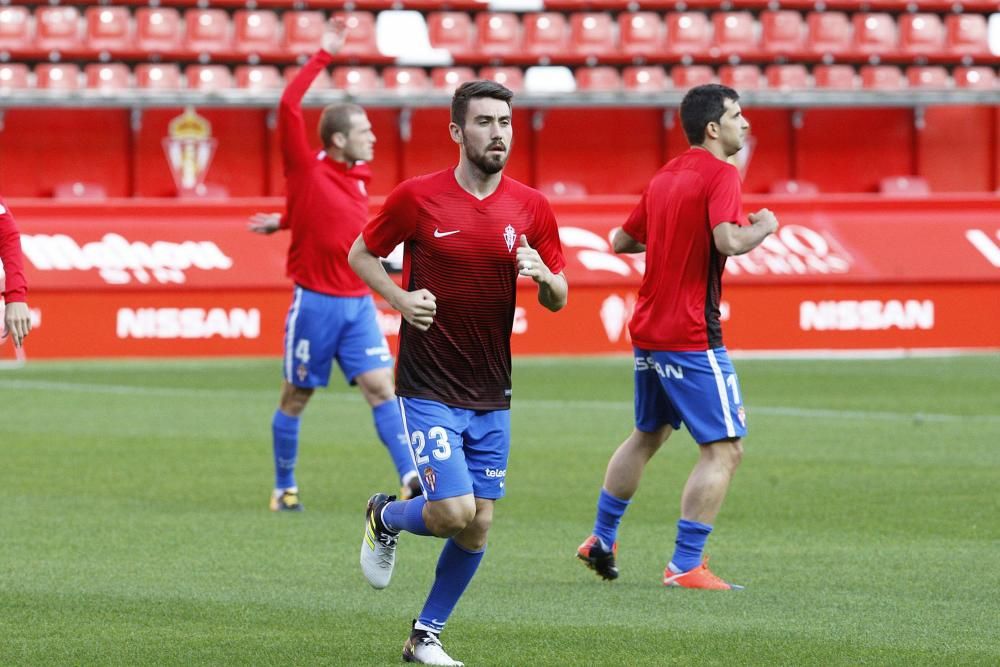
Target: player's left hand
[
  {"x": 529, "y": 262},
  {"x": 264, "y": 223},
  {"x": 17, "y": 320}
]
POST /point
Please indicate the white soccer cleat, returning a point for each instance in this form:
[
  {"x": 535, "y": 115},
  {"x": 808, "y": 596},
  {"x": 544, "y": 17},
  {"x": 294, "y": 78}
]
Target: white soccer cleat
[
  {"x": 424, "y": 648},
  {"x": 378, "y": 548}
]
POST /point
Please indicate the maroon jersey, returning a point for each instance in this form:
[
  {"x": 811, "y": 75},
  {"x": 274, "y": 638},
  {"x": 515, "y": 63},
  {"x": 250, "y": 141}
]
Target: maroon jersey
[
  {"x": 327, "y": 202},
  {"x": 463, "y": 250},
  {"x": 15, "y": 287},
  {"x": 678, "y": 304}
]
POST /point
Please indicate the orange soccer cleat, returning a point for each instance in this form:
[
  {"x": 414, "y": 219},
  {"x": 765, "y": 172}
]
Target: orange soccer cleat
[
  {"x": 699, "y": 577},
  {"x": 597, "y": 559}
]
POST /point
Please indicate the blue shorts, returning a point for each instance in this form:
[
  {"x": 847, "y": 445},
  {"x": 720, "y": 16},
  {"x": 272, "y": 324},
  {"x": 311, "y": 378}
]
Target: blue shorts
[
  {"x": 321, "y": 328},
  {"x": 457, "y": 451},
  {"x": 698, "y": 388}
]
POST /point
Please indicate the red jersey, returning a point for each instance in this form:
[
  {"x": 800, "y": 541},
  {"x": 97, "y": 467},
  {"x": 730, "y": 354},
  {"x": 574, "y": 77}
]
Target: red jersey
[
  {"x": 327, "y": 202},
  {"x": 678, "y": 304},
  {"x": 15, "y": 287},
  {"x": 463, "y": 250}
]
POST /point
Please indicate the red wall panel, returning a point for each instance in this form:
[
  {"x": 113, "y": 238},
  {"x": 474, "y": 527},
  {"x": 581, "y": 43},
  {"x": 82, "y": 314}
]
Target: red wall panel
[{"x": 952, "y": 154}]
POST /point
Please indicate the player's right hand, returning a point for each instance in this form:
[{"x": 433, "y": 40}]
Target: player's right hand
[
  {"x": 766, "y": 219},
  {"x": 418, "y": 308},
  {"x": 334, "y": 36},
  {"x": 17, "y": 321},
  {"x": 264, "y": 223}
]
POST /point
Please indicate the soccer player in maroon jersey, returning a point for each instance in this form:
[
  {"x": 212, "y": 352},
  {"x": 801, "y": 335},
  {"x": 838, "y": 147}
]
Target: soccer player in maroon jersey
[
  {"x": 332, "y": 314},
  {"x": 468, "y": 232},
  {"x": 688, "y": 222},
  {"x": 16, "y": 316}
]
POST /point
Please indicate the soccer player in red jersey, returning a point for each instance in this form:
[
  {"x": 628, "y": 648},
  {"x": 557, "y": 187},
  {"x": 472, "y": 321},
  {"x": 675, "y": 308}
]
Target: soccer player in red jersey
[
  {"x": 468, "y": 232},
  {"x": 16, "y": 316},
  {"x": 688, "y": 222},
  {"x": 332, "y": 315}
]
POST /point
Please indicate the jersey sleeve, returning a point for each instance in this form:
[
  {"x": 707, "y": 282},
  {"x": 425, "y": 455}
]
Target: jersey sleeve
[
  {"x": 725, "y": 203},
  {"x": 545, "y": 237},
  {"x": 393, "y": 224},
  {"x": 15, "y": 285},
  {"x": 635, "y": 226},
  {"x": 295, "y": 149}
]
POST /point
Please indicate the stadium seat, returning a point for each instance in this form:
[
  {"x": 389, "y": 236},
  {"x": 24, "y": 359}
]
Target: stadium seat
[
  {"x": 108, "y": 28},
  {"x": 403, "y": 35},
  {"x": 406, "y": 79},
  {"x": 258, "y": 77},
  {"x": 208, "y": 77},
  {"x": 14, "y": 76},
  {"x": 874, "y": 34},
  {"x": 783, "y": 32},
  {"x": 592, "y": 35},
  {"x": 882, "y": 77},
  {"x": 57, "y": 28},
  {"x": 158, "y": 76},
  {"x": 57, "y": 76},
  {"x": 651, "y": 79},
  {"x": 689, "y": 76},
  {"x": 499, "y": 34},
  {"x": 303, "y": 31},
  {"x": 15, "y": 29},
  {"x": 793, "y": 187},
  {"x": 904, "y": 186},
  {"x": 598, "y": 79},
  {"x": 355, "y": 79},
  {"x": 979, "y": 78},
  {"x": 452, "y": 31},
  {"x": 928, "y": 77},
  {"x": 256, "y": 31},
  {"x": 360, "y": 41},
  {"x": 79, "y": 190},
  {"x": 735, "y": 34},
  {"x": 545, "y": 34},
  {"x": 450, "y": 78},
  {"x": 204, "y": 191},
  {"x": 740, "y": 77},
  {"x": 787, "y": 77},
  {"x": 688, "y": 34},
  {"x": 107, "y": 77},
  {"x": 543, "y": 79},
  {"x": 322, "y": 80},
  {"x": 563, "y": 189},
  {"x": 967, "y": 35},
  {"x": 835, "y": 77},
  {"x": 921, "y": 34},
  {"x": 512, "y": 77},
  {"x": 829, "y": 34},
  {"x": 157, "y": 29},
  {"x": 208, "y": 31},
  {"x": 640, "y": 33}
]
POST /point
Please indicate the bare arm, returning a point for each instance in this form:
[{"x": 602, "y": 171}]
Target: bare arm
[
  {"x": 417, "y": 307},
  {"x": 553, "y": 290},
  {"x": 623, "y": 243},
  {"x": 732, "y": 239}
]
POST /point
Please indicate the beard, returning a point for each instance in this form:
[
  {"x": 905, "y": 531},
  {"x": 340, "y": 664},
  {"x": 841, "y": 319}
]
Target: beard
[{"x": 486, "y": 162}]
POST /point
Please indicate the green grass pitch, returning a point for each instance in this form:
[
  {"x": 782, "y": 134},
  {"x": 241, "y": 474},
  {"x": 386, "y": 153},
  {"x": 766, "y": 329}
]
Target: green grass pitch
[{"x": 864, "y": 522}]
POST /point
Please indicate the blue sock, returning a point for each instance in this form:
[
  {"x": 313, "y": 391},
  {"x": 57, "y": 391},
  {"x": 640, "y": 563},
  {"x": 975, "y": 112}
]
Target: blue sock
[
  {"x": 691, "y": 538},
  {"x": 609, "y": 514},
  {"x": 454, "y": 572},
  {"x": 285, "y": 430},
  {"x": 406, "y": 515},
  {"x": 389, "y": 425}
]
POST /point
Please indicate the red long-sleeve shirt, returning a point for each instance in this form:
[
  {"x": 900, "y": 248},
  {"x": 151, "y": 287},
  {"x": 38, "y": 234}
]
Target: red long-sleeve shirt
[
  {"x": 15, "y": 285},
  {"x": 327, "y": 202}
]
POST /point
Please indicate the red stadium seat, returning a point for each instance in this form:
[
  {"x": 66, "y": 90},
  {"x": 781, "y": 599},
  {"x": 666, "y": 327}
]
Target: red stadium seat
[
  {"x": 57, "y": 28},
  {"x": 793, "y": 187},
  {"x": 512, "y": 77},
  {"x": 979, "y": 78},
  {"x": 452, "y": 31},
  {"x": 882, "y": 77},
  {"x": 689, "y": 76},
  {"x": 499, "y": 34},
  {"x": 108, "y": 28},
  {"x": 650, "y": 79},
  {"x": 640, "y": 33},
  {"x": 79, "y": 190},
  {"x": 835, "y": 77},
  {"x": 406, "y": 79},
  {"x": 208, "y": 31},
  {"x": 740, "y": 77},
  {"x": 782, "y": 32},
  {"x": 258, "y": 77},
  {"x": 322, "y": 80},
  {"x": 360, "y": 41},
  {"x": 15, "y": 29},
  {"x": 355, "y": 79},
  {"x": 256, "y": 31},
  {"x": 688, "y": 34},
  {"x": 14, "y": 76},
  {"x": 735, "y": 33},
  {"x": 598, "y": 79},
  {"x": 208, "y": 77},
  {"x": 967, "y": 35},
  {"x": 107, "y": 77},
  {"x": 157, "y": 29},
  {"x": 57, "y": 76},
  {"x": 928, "y": 77},
  {"x": 303, "y": 31},
  {"x": 829, "y": 33},
  {"x": 450, "y": 78},
  {"x": 592, "y": 34},
  {"x": 787, "y": 77},
  {"x": 158, "y": 76},
  {"x": 205, "y": 191},
  {"x": 545, "y": 34},
  {"x": 563, "y": 189},
  {"x": 921, "y": 34},
  {"x": 904, "y": 186},
  {"x": 874, "y": 34}
]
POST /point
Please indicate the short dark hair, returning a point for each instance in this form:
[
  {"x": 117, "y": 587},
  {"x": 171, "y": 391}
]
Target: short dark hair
[
  {"x": 703, "y": 105},
  {"x": 336, "y": 118},
  {"x": 473, "y": 89}
]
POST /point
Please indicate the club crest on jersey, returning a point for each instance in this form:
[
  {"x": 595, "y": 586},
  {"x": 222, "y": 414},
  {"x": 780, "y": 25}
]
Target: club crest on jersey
[
  {"x": 302, "y": 372},
  {"x": 741, "y": 414},
  {"x": 430, "y": 479},
  {"x": 509, "y": 236},
  {"x": 361, "y": 186}
]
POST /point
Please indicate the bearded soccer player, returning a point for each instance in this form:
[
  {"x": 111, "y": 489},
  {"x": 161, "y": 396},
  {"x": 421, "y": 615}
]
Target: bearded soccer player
[
  {"x": 16, "y": 316},
  {"x": 468, "y": 232},
  {"x": 688, "y": 222},
  {"x": 332, "y": 315}
]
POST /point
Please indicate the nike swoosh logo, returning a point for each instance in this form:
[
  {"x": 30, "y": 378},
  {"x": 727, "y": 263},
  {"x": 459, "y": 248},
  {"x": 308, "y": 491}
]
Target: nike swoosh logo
[{"x": 439, "y": 234}]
